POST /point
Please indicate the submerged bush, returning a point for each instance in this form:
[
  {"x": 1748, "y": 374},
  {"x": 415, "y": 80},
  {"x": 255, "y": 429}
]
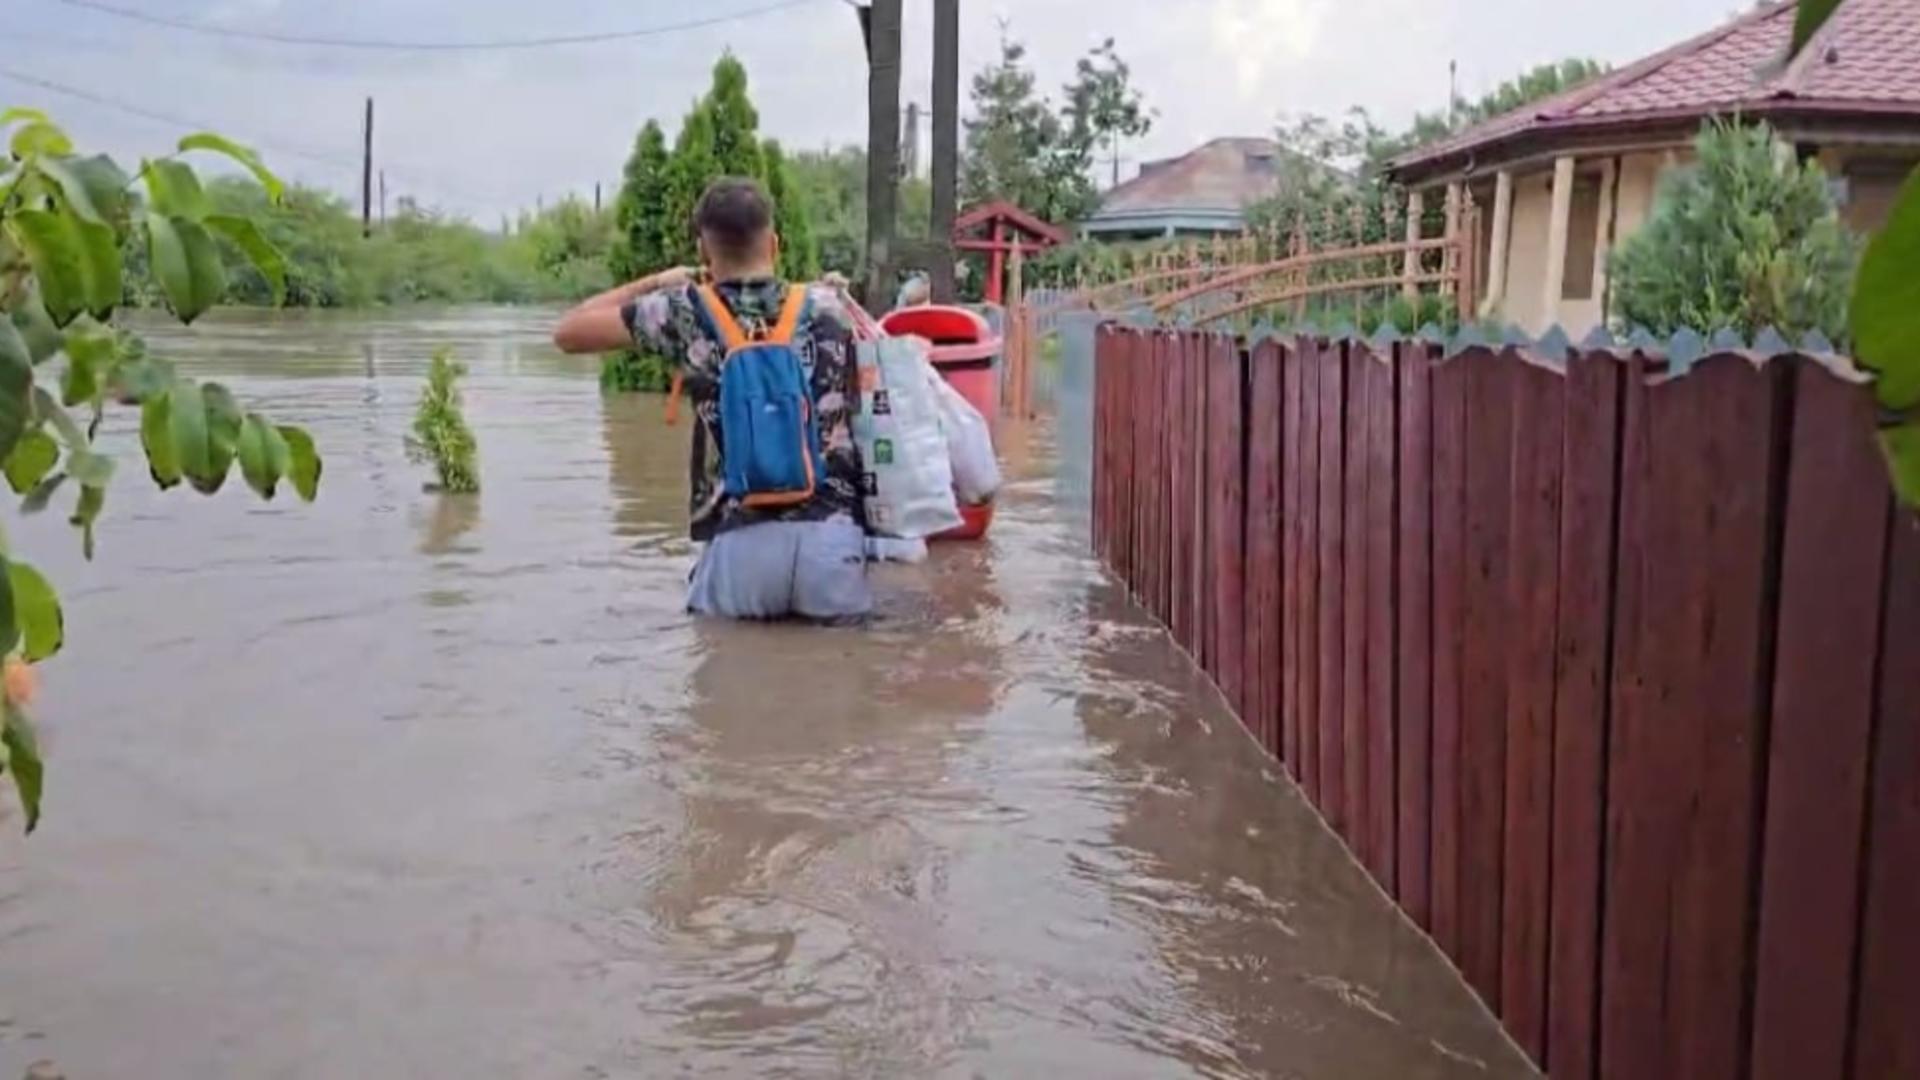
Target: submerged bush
[
  {"x": 630, "y": 371},
  {"x": 1745, "y": 238},
  {"x": 440, "y": 433}
]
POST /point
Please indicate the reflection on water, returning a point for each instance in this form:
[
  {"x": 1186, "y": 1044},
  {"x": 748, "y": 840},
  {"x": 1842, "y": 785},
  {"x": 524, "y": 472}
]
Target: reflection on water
[{"x": 411, "y": 785}]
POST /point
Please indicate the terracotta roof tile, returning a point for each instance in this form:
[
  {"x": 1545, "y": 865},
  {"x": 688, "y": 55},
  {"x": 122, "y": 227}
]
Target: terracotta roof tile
[{"x": 1868, "y": 56}]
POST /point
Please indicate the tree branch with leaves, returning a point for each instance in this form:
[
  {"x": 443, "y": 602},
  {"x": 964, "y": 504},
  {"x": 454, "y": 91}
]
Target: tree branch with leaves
[{"x": 64, "y": 221}]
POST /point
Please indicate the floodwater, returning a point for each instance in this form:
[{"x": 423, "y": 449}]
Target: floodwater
[{"x": 397, "y": 785}]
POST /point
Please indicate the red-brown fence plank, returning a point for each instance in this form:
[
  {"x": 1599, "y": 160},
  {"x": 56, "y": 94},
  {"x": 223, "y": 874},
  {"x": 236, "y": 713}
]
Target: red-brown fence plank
[
  {"x": 1179, "y": 469},
  {"x": 1887, "y": 1038},
  {"x": 1167, "y": 508},
  {"x": 1263, "y": 562},
  {"x": 1486, "y": 628},
  {"x": 1306, "y": 718},
  {"x": 1154, "y": 478},
  {"x": 1832, "y": 564},
  {"x": 1290, "y": 530},
  {"x": 1531, "y": 638},
  {"x": 1227, "y": 484},
  {"x": 1448, "y": 388},
  {"x": 1199, "y": 557},
  {"x": 1355, "y": 722},
  {"x": 1381, "y": 535},
  {"x": 1587, "y": 535},
  {"x": 1414, "y": 659},
  {"x": 1689, "y": 720},
  {"x": 1332, "y": 798},
  {"x": 1144, "y": 418}
]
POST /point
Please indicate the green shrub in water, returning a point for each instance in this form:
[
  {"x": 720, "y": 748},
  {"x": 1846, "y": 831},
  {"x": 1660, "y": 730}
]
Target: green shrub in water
[
  {"x": 440, "y": 433},
  {"x": 631, "y": 372}
]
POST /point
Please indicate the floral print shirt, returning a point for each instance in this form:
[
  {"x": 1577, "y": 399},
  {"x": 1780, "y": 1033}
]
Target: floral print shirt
[{"x": 669, "y": 324}]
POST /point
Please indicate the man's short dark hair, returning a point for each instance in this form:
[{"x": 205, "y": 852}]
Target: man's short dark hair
[{"x": 733, "y": 215}]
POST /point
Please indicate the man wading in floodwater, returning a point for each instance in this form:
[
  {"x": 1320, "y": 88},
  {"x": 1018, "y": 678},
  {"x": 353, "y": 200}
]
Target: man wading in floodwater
[{"x": 770, "y": 368}]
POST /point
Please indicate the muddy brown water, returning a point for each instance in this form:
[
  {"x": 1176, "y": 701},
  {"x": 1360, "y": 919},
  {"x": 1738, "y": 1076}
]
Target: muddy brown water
[{"x": 404, "y": 786}]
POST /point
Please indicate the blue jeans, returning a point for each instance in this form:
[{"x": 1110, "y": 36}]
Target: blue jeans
[{"x": 784, "y": 569}]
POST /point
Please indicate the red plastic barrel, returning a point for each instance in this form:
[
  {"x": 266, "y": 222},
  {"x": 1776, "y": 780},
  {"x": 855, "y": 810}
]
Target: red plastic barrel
[{"x": 964, "y": 349}]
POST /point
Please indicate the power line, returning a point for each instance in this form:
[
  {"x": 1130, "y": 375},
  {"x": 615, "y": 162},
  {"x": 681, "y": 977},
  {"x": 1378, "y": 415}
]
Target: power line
[
  {"x": 340, "y": 162},
  {"x": 601, "y": 37}
]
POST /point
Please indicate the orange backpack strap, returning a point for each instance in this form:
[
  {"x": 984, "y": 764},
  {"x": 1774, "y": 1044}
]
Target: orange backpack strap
[
  {"x": 789, "y": 323},
  {"x": 673, "y": 398},
  {"x": 723, "y": 321}
]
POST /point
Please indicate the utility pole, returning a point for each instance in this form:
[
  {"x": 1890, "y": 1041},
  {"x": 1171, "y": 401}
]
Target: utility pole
[
  {"x": 946, "y": 147},
  {"x": 881, "y": 21},
  {"x": 910, "y": 143},
  {"x": 596, "y": 197},
  {"x": 366, "y": 177},
  {"x": 1453, "y": 92}
]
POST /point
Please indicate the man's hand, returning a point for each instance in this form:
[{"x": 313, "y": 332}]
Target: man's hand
[{"x": 596, "y": 326}]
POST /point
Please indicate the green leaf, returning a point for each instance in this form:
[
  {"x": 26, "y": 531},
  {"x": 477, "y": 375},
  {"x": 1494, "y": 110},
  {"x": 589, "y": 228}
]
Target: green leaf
[
  {"x": 23, "y": 761},
  {"x": 32, "y": 457},
  {"x": 173, "y": 190},
  {"x": 36, "y": 327},
  {"x": 1886, "y": 303},
  {"x": 42, "y": 494},
  {"x": 76, "y": 262},
  {"x": 9, "y": 619},
  {"x": 185, "y": 260},
  {"x": 1807, "y": 22},
  {"x": 244, "y": 156},
  {"x": 91, "y": 469},
  {"x": 224, "y": 420},
  {"x": 45, "y": 408},
  {"x": 16, "y": 387},
  {"x": 93, "y": 187},
  {"x": 187, "y": 419},
  {"x": 142, "y": 379},
  {"x": 17, "y": 113},
  {"x": 87, "y": 355},
  {"x": 1901, "y": 445},
  {"x": 306, "y": 465},
  {"x": 36, "y": 608},
  {"x": 40, "y": 138},
  {"x": 157, "y": 438},
  {"x": 265, "y": 456},
  {"x": 85, "y": 513},
  {"x": 257, "y": 248}
]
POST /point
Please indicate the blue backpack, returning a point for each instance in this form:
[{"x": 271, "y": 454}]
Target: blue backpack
[{"x": 770, "y": 454}]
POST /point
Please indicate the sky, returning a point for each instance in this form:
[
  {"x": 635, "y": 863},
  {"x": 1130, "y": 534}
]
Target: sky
[{"x": 482, "y": 134}]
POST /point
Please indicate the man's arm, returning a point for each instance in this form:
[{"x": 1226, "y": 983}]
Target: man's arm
[{"x": 597, "y": 326}]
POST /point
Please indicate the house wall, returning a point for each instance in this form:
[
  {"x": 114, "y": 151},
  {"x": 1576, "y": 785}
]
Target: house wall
[{"x": 1625, "y": 206}]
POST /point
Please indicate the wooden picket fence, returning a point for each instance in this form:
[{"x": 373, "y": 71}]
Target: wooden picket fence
[{"x": 1609, "y": 676}]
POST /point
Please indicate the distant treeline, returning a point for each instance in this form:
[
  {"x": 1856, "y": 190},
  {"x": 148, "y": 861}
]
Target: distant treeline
[{"x": 417, "y": 256}]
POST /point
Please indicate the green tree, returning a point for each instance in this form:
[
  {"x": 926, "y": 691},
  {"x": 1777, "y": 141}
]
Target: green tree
[
  {"x": 1103, "y": 105},
  {"x": 65, "y": 220},
  {"x": 736, "y": 124},
  {"x": 640, "y": 210},
  {"x": 695, "y": 165},
  {"x": 1018, "y": 148},
  {"x": 1744, "y": 238},
  {"x": 799, "y": 255}
]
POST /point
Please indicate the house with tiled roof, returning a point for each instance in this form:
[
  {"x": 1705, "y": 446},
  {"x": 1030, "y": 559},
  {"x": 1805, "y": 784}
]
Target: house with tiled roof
[
  {"x": 1560, "y": 182},
  {"x": 1202, "y": 193}
]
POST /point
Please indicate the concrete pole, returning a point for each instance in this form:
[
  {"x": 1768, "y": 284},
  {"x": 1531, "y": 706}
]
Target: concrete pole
[
  {"x": 1410, "y": 264},
  {"x": 1555, "y": 281},
  {"x": 883, "y": 145},
  {"x": 1502, "y": 232},
  {"x": 946, "y": 147}
]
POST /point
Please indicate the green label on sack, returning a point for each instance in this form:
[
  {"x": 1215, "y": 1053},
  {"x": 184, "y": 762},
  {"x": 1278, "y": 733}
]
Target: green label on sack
[{"x": 883, "y": 451}]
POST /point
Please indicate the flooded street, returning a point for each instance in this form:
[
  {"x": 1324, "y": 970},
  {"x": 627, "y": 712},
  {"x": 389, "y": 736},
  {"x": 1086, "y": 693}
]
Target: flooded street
[{"x": 396, "y": 785}]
